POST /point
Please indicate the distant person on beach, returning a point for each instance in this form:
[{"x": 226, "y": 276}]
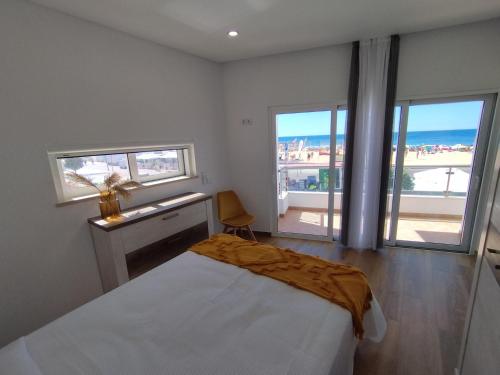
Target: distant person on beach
[{"x": 420, "y": 151}]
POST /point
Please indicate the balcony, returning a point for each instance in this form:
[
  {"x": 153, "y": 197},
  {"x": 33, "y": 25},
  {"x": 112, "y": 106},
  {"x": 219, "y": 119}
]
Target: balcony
[{"x": 431, "y": 208}]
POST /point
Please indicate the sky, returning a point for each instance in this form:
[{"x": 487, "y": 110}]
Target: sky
[
  {"x": 465, "y": 115},
  {"x": 428, "y": 117},
  {"x": 308, "y": 123}
]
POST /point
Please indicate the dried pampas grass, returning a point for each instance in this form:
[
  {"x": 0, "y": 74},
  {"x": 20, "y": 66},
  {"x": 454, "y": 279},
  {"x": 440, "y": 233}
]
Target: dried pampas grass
[{"x": 112, "y": 184}]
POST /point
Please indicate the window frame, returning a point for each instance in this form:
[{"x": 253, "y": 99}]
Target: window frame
[
  {"x": 474, "y": 192},
  {"x": 273, "y": 111},
  {"x": 134, "y": 169},
  {"x": 65, "y": 193}
]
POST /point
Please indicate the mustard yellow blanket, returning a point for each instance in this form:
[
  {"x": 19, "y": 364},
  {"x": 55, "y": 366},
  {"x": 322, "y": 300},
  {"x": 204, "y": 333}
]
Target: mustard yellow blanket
[{"x": 341, "y": 284}]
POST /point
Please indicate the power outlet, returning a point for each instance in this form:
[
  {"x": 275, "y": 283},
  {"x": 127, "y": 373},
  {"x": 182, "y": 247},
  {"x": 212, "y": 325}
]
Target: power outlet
[
  {"x": 204, "y": 178},
  {"x": 247, "y": 122}
]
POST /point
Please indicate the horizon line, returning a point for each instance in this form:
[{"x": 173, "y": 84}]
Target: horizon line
[{"x": 411, "y": 131}]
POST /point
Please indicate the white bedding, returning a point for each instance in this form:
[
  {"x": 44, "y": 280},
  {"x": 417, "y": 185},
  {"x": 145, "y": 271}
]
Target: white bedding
[{"x": 194, "y": 315}]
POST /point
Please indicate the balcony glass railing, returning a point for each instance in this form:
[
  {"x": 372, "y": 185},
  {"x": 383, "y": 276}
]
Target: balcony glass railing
[
  {"x": 306, "y": 178},
  {"x": 435, "y": 180}
]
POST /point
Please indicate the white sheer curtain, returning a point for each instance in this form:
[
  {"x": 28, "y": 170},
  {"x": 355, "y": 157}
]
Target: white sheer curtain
[{"x": 368, "y": 142}]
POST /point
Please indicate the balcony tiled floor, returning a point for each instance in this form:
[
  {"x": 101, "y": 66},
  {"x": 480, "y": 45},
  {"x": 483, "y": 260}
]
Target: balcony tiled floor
[
  {"x": 307, "y": 222},
  {"x": 409, "y": 229},
  {"x": 429, "y": 230}
]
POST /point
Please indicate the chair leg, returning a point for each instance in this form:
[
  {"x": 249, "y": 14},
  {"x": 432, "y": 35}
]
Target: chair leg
[
  {"x": 229, "y": 229},
  {"x": 250, "y": 232}
]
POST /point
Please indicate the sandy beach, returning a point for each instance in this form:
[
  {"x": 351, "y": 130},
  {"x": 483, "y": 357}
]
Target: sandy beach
[{"x": 446, "y": 158}]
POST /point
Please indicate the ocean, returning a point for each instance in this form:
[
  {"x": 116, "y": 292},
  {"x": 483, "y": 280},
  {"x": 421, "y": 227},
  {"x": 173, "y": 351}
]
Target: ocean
[{"x": 437, "y": 137}]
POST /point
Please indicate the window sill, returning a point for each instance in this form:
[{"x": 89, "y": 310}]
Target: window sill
[{"x": 144, "y": 185}]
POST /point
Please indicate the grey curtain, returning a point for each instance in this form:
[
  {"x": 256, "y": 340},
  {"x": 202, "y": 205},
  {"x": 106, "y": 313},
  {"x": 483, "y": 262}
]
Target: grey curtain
[
  {"x": 390, "y": 101},
  {"x": 352, "y": 100}
]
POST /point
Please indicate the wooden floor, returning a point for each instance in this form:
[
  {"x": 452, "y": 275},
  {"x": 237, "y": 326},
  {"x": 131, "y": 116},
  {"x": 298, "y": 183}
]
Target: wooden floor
[{"x": 423, "y": 295}]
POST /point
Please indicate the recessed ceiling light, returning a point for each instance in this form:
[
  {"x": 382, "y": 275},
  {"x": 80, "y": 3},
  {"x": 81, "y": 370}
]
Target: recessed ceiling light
[{"x": 232, "y": 34}]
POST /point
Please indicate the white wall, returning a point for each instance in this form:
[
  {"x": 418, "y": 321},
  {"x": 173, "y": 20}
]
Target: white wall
[
  {"x": 251, "y": 87},
  {"x": 451, "y": 60},
  {"x": 66, "y": 82},
  {"x": 444, "y": 61},
  {"x": 313, "y": 199}
]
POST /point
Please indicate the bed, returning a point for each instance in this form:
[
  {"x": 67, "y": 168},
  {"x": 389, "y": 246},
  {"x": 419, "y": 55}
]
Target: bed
[{"x": 196, "y": 315}]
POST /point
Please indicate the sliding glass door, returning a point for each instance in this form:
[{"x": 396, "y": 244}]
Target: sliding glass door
[
  {"x": 439, "y": 148},
  {"x": 308, "y": 171},
  {"x": 392, "y": 171}
]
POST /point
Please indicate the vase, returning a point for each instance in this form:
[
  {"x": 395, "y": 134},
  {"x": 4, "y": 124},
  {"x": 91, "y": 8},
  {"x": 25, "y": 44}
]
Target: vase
[{"x": 109, "y": 205}]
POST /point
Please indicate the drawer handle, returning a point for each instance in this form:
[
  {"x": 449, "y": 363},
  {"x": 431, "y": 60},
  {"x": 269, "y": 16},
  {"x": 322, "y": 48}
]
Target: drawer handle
[
  {"x": 493, "y": 251},
  {"x": 170, "y": 216},
  {"x": 175, "y": 239}
]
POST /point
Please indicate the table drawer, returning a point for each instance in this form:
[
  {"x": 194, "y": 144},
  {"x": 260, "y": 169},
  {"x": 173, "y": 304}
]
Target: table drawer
[{"x": 146, "y": 232}]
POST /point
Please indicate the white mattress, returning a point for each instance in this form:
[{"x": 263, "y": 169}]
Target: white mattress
[{"x": 195, "y": 315}]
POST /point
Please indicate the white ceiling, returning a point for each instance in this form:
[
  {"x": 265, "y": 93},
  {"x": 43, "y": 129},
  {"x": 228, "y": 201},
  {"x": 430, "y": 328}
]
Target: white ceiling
[{"x": 271, "y": 26}]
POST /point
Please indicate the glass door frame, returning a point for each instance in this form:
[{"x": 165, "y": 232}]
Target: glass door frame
[
  {"x": 477, "y": 170},
  {"x": 273, "y": 113}
]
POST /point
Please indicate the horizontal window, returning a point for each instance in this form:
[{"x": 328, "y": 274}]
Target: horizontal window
[
  {"x": 146, "y": 165},
  {"x": 154, "y": 165}
]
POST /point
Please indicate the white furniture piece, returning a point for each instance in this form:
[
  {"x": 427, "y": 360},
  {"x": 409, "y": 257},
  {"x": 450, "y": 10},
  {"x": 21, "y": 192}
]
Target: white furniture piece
[
  {"x": 196, "y": 315},
  {"x": 481, "y": 346},
  {"x": 163, "y": 221}
]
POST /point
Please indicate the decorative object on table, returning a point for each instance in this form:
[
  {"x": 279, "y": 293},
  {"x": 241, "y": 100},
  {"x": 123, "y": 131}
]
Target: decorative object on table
[
  {"x": 232, "y": 213},
  {"x": 109, "y": 190}
]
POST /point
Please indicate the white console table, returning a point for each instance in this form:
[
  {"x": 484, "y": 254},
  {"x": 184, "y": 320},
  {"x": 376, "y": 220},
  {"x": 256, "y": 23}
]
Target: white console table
[{"x": 142, "y": 226}]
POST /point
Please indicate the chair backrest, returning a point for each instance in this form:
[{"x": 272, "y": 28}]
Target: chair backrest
[{"x": 229, "y": 205}]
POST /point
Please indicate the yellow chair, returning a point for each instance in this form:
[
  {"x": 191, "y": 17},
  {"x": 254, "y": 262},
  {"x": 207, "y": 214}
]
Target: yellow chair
[{"x": 232, "y": 213}]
